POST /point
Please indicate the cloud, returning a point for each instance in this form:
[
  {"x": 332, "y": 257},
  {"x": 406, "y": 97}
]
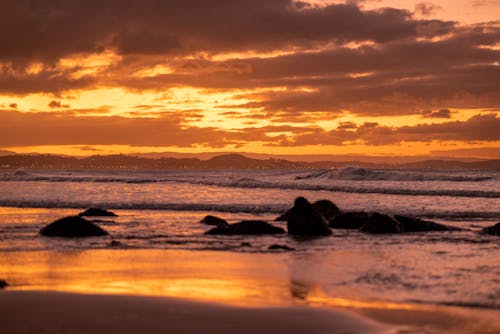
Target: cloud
[
  {"x": 426, "y": 8},
  {"x": 292, "y": 62},
  {"x": 30, "y": 129},
  {"x": 441, "y": 113},
  {"x": 57, "y": 104},
  {"x": 50, "y": 30}
]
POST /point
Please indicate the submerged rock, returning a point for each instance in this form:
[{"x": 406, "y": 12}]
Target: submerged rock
[
  {"x": 305, "y": 220},
  {"x": 115, "y": 243},
  {"x": 72, "y": 227},
  {"x": 381, "y": 224},
  {"x": 324, "y": 207},
  {"x": 212, "y": 220},
  {"x": 247, "y": 227},
  {"x": 350, "y": 220},
  {"x": 412, "y": 224},
  {"x": 97, "y": 212},
  {"x": 3, "y": 284},
  {"x": 492, "y": 230},
  {"x": 280, "y": 247}
]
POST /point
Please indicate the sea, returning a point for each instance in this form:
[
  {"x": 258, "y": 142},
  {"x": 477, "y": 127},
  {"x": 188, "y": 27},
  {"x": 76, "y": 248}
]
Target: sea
[{"x": 161, "y": 210}]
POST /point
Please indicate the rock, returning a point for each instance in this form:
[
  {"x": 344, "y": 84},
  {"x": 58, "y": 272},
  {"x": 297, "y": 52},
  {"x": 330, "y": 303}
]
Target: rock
[
  {"x": 115, "y": 243},
  {"x": 283, "y": 217},
  {"x": 212, "y": 220},
  {"x": 72, "y": 227},
  {"x": 350, "y": 220},
  {"x": 96, "y": 212},
  {"x": 3, "y": 284},
  {"x": 492, "y": 230},
  {"x": 280, "y": 247},
  {"x": 412, "y": 224},
  {"x": 247, "y": 227},
  {"x": 327, "y": 209},
  {"x": 381, "y": 224},
  {"x": 305, "y": 220}
]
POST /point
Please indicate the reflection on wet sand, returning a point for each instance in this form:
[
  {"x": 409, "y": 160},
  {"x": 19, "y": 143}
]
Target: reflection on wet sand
[{"x": 221, "y": 277}]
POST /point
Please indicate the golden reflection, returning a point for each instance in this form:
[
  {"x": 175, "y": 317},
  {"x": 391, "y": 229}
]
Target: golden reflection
[
  {"x": 350, "y": 303},
  {"x": 243, "y": 279},
  {"x": 234, "y": 278}
]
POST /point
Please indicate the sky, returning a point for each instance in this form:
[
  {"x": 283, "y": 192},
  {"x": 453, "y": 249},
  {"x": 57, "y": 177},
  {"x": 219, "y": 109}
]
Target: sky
[{"x": 373, "y": 77}]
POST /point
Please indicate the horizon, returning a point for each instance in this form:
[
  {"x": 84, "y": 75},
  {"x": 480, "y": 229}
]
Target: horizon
[
  {"x": 372, "y": 79},
  {"x": 294, "y": 161}
]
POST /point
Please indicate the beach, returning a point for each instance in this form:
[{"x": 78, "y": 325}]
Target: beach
[
  {"x": 157, "y": 256},
  {"x": 50, "y": 312},
  {"x": 126, "y": 291}
]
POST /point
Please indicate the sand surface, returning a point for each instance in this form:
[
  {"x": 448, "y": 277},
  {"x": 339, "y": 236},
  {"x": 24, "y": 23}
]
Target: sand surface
[
  {"x": 56, "y": 312},
  {"x": 203, "y": 292}
]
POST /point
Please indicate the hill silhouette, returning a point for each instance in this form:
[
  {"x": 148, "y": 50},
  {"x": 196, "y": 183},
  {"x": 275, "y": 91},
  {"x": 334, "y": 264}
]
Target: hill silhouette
[{"x": 224, "y": 161}]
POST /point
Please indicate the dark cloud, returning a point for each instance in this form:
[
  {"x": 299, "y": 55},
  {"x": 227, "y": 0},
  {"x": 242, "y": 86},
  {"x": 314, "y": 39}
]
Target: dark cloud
[
  {"x": 348, "y": 59},
  {"x": 142, "y": 42},
  {"x": 57, "y": 104},
  {"x": 13, "y": 105},
  {"x": 441, "y": 113},
  {"x": 482, "y": 127},
  {"x": 29, "y": 129},
  {"x": 15, "y": 80},
  {"x": 50, "y": 29},
  {"x": 426, "y": 8}
]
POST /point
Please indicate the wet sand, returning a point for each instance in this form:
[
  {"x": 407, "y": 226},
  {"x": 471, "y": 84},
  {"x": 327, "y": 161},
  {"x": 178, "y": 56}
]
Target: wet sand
[
  {"x": 55, "y": 312},
  {"x": 149, "y": 291}
]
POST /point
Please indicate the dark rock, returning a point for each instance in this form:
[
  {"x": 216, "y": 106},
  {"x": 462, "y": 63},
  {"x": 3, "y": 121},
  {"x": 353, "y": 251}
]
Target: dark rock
[
  {"x": 3, "y": 284},
  {"x": 247, "y": 227},
  {"x": 381, "y": 224},
  {"x": 283, "y": 217},
  {"x": 72, "y": 227},
  {"x": 305, "y": 220},
  {"x": 350, "y": 220},
  {"x": 96, "y": 212},
  {"x": 212, "y": 220},
  {"x": 492, "y": 230},
  {"x": 280, "y": 247},
  {"x": 115, "y": 243},
  {"x": 327, "y": 209},
  {"x": 412, "y": 224}
]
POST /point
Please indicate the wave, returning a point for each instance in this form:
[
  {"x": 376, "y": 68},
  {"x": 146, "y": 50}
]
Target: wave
[
  {"x": 230, "y": 208},
  {"x": 252, "y": 183},
  {"x": 23, "y": 176},
  {"x": 365, "y": 174},
  {"x": 271, "y": 209}
]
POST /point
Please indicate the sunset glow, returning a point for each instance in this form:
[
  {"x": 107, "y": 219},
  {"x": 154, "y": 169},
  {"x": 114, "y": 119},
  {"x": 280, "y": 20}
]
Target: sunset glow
[{"x": 368, "y": 77}]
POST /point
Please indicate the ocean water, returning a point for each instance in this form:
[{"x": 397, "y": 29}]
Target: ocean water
[{"x": 162, "y": 210}]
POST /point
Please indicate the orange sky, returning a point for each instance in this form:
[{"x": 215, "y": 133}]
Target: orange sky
[{"x": 378, "y": 77}]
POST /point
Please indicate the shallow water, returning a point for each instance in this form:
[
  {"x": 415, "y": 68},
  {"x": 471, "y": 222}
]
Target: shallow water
[{"x": 160, "y": 211}]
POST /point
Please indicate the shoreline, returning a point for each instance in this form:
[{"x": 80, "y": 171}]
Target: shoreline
[
  {"x": 57, "y": 312},
  {"x": 230, "y": 281}
]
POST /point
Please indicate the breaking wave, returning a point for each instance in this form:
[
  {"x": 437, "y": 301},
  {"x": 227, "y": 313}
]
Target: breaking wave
[
  {"x": 366, "y": 174},
  {"x": 231, "y": 208}
]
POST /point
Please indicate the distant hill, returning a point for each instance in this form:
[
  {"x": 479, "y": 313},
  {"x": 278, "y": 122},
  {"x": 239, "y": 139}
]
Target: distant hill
[
  {"x": 224, "y": 161},
  {"x": 3, "y": 153}
]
